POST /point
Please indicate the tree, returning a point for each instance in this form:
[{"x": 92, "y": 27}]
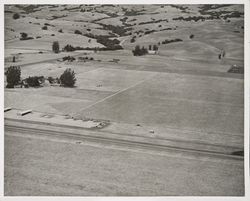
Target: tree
[
  {"x": 150, "y": 47},
  {"x": 44, "y": 28},
  {"x": 132, "y": 40},
  {"x": 13, "y": 76},
  {"x": 68, "y": 79},
  {"x": 55, "y": 47},
  {"x": 24, "y": 35},
  {"x": 16, "y": 16}
]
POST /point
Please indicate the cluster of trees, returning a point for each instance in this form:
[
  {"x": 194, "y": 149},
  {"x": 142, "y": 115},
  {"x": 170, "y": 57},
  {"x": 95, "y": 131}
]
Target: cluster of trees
[
  {"x": 139, "y": 51},
  {"x": 194, "y": 18},
  {"x": 154, "y": 21},
  {"x": 24, "y": 36},
  {"x": 154, "y": 47},
  {"x": 13, "y": 78},
  {"x": 110, "y": 44},
  {"x": 182, "y": 8},
  {"x": 119, "y": 30},
  {"x": 70, "y": 48},
  {"x": 68, "y": 58},
  {"x": 34, "y": 81},
  {"x": 85, "y": 58},
  {"x": 171, "y": 41},
  {"x": 206, "y": 10},
  {"x": 149, "y": 32}
]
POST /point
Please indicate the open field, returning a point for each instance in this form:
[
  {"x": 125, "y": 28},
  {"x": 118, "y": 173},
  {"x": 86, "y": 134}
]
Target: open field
[
  {"x": 111, "y": 171},
  {"x": 182, "y": 94}
]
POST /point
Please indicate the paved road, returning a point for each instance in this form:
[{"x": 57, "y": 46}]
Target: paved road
[{"x": 40, "y": 163}]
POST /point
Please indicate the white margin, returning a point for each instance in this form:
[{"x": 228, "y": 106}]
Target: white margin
[{"x": 246, "y": 98}]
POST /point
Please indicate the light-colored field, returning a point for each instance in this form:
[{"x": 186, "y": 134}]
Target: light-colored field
[{"x": 68, "y": 169}]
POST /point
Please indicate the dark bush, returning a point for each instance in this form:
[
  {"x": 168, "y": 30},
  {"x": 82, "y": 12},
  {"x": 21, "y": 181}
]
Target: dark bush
[
  {"x": 44, "y": 28},
  {"x": 24, "y": 35},
  {"x": 55, "y": 47},
  {"x": 16, "y": 16},
  {"x": 132, "y": 40},
  {"x": 34, "y": 81},
  {"x": 13, "y": 76},
  {"x": 155, "y": 47},
  {"x": 77, "y": 32},
  {"x": 171, "y": 41},
  {"x": 68, "y": 79},
  {"x": 60, "y": 30},
  {"x": 191, "y": 36}
]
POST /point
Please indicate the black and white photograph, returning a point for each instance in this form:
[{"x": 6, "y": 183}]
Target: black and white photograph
[{"x": 125, "y": 99}]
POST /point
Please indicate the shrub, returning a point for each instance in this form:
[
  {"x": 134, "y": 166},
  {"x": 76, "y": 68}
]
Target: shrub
[
  {"x": 24, "y": 35},
  {"x": 77, "y": 32},
  {"x": 13, "y": 76},
  {"x": 44, "y": 28},
  {"x": 60, "y": 30},
  {"x": 191, "y": 36},
  {"x": 68, "y": 79},
  {"x": 68, "y": 58},
  {"x": 34, "y": 81},
  {"x": 132, "y": 40},
  {"x": 55, "y": 47},
  {"x": 16, "y": 16},
  {"x": 51, "y": 80}
]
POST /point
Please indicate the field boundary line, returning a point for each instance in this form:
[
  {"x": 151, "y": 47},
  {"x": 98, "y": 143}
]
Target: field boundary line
[{"x": 120, "y": 91}]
